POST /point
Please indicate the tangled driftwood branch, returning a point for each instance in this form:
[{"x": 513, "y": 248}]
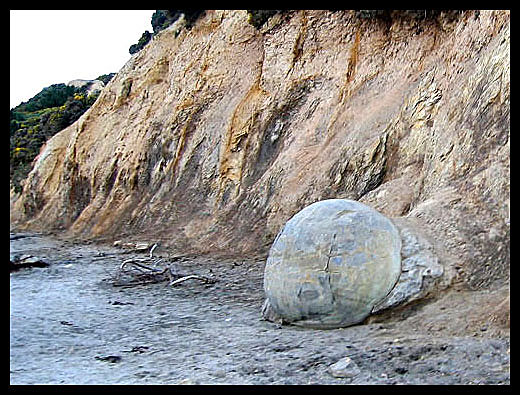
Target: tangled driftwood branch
[{"x": 140, "y": 271}]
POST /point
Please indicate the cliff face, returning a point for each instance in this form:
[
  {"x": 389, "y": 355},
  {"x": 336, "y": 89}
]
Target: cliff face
[{"x": 210, "y": 140}]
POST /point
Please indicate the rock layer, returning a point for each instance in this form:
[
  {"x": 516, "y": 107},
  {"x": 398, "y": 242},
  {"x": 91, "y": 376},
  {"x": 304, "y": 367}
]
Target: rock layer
[{"x": 209, "y": 140}]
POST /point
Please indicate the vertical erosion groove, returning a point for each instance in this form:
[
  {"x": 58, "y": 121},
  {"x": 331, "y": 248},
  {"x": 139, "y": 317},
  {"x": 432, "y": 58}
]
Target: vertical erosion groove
[
  {"x": 241, "y": 125},
  {"x": 345, "y": 90},
  {"x": 298, "y": 42}
]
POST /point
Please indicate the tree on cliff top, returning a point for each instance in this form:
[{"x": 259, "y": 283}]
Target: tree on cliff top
[{"x": 161, "y": 19}]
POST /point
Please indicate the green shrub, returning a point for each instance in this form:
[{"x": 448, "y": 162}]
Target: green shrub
[
  {"x": 145, "y": 38},
  {"x": 191, "y": 16},
  {"x": 105, "y": 78},
  {"x": 258, "y": 17},
  {"x": 161, "y": 19},
  {"x": 51, "y": 96},
  {"x": 33, "y": 122}
]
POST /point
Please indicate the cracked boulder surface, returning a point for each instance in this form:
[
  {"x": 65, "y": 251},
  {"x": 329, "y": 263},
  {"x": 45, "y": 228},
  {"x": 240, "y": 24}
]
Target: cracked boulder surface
[{"x": 331, "y": 264}]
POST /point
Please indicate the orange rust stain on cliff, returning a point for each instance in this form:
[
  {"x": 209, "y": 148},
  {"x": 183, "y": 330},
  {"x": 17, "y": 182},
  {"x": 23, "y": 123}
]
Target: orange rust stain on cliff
[
  {"x": 241, "y": 125},
  {"x": 181, "y": 144},
  {"x": 351, "y": 68},
  {"x": 242, "y": 122}
]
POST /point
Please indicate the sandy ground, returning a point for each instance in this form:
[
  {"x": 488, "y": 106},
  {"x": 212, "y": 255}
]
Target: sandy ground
[{"x": 70, "y": 325}]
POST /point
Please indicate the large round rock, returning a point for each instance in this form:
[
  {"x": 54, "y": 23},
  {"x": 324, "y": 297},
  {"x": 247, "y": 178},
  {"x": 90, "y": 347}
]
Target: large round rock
[{"x": 331, "y": 263}]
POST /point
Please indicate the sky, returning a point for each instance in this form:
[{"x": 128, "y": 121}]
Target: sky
[{"x": 56, "y": 46}]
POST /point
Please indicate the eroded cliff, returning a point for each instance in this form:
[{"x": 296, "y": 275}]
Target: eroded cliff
[{"x": 209, "y": 139}]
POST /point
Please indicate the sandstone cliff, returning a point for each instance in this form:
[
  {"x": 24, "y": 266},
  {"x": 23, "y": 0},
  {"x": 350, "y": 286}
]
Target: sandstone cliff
[{"x": 210, "y": 139}]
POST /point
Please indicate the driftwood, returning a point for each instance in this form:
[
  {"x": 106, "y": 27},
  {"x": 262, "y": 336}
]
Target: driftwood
[
  {"x": 25, "y": 261},
  {"x": 151, "y": 250},
  {"x": 140, "y": 271},
  {"x": 206, "y": 280}
]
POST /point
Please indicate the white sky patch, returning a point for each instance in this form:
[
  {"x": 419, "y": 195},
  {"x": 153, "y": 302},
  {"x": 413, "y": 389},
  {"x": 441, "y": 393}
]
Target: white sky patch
[{"x": 56, "y": 46}]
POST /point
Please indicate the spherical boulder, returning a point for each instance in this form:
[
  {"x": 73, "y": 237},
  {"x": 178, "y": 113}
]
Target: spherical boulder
[{"x": 331, "y": 264}]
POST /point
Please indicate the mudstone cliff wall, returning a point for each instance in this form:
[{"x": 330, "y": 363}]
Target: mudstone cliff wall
[{"x": 209, "y": 139}]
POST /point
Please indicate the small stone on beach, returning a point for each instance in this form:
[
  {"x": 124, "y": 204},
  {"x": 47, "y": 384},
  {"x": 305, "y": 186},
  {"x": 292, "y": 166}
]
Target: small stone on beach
[{"x": 345, "y": 367}]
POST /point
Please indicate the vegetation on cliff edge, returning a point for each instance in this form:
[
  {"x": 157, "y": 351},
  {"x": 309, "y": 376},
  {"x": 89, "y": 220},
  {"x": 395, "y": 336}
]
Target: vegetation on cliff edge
[
  {"x": 33, "y": 122},
  {"x": 161, "y": 19}
]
